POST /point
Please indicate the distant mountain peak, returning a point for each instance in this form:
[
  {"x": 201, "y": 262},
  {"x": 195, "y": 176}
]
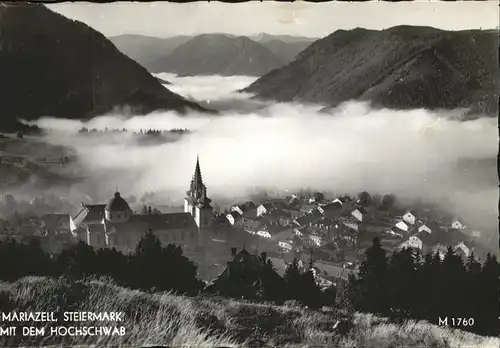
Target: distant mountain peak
[{"x": 218, "y": 54}]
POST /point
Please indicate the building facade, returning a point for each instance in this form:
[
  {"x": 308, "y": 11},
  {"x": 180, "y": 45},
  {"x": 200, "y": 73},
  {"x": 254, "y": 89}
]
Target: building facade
[{"x": 114, "y": 224}]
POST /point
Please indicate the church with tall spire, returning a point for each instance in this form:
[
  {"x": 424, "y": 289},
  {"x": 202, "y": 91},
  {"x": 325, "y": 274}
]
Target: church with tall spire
[
  {"x": 115, "y": 224},
  {"x": 197, "y": 202}
]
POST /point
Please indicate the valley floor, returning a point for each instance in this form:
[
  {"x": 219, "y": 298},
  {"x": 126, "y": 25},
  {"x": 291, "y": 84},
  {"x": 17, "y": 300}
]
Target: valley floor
[{"x": 170, "y": 320}]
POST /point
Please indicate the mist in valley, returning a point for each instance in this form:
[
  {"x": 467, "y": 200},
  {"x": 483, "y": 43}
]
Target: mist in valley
[{"x": 416, "y": 155}]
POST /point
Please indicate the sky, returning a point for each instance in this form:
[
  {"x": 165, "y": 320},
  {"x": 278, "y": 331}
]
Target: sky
[{"x": 164, "y": 19}]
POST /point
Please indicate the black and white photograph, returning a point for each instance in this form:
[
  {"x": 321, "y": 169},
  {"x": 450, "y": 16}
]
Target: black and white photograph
[{"x": 255, "y": 174}]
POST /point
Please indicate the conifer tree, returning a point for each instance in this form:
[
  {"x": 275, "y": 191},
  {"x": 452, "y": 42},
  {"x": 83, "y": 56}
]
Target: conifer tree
[
  {"x": 402, "y": 281},
  {"x": 452, "y": 276},
  {"x": 292, "y": 280},
  {"x": 78, "y": 261},
  {"x": 372, "y": 282},
  {"x": 310, "y": 293},
  {"x": 146, "y": 259},
  {"x": 487, "y": 322},
  {"x": 472, "y": 290},
  {"x": 426, "y": 300}
]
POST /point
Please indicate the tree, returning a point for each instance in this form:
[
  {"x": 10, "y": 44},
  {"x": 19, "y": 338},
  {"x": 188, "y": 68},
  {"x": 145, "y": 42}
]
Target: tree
[
  {"x": 452, "y": 278},
  {"x": 319, "y": 197},
  {"x": 310, "y": 293},
  {"x": 19, "y": 260},
  {"x": 272, "y": 285},
  {"x": 292, "y": 280},
  {"x": 472, "y": 290},
  {"x": 145, "y": 261},
  {"x": 402, "y": 282},
  {"x": 155, "y": 267},
  {"x": 372, "y": 281},
  {"x": 387, "y": 202},
  {"x": 427, "y": 300},
  {"x": 329, "y": 296},
  {"x": 112, "y": 263},
  {"x": 489, "y": 299},
  {"x": 180, "y": 271},
  {"x": 376, "y": 199},
  {"x": 78, "y": 261},
  {"x": 364, "y": 198}
]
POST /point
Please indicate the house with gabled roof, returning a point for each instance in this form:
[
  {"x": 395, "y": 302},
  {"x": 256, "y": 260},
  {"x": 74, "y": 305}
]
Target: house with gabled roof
[
  {"x": 285, "y": 234},
  {"x": 400, "y": 227},
  {"x": 265, "y": 208},
  {"x": 332, "y": 210},
  {"x": 409, "y": 217},
  {"x": 431, "y": 227},
  {"x": 317, "y": 239},
  {"x": 233, "y": 217},
  {"x": 425, "y": 239},
  {"x": 412, "y": 242},
  {"x": 307, "y": 207},
  {"x": 307, "y": 220},
  {"x": 286, "y": 245},
  {"x": 244, "y": 276},
  {"x": 425, "y": 228},
  {"x": 278, "y": 216},
  {"x": 250, "y": 225},
  {"x": 89, "y": 214},
  {"x": 294, "y": 212},
  {"x": 357, "y": 214},
  {"x": 337, "y": 200},
  {"x": 246, "y": 208},
  {"x": 349, "y": 223},
  {"x": 457, "y": 224},
  {"x": 462, "y": 249}
]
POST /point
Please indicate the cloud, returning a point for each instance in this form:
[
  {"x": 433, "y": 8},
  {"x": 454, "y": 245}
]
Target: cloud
[
  {"x": 413, "y": 154},
  {"x": 216, "y": 92}
]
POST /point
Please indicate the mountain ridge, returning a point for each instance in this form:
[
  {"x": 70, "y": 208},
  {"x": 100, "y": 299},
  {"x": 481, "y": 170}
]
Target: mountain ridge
[
  {"x": 401, "y": 67},
  {"x": 219, "y": 54},
  {"x": 86, "y": 73},
  {"x": 152, "y": 52}
]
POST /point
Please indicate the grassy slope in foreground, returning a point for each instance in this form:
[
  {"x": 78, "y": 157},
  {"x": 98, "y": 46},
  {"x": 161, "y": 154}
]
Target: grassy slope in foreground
[{"x": 166, "y": 319}]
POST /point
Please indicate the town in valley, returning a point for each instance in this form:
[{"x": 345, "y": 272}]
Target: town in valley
[{"x": 329, "y": 231}]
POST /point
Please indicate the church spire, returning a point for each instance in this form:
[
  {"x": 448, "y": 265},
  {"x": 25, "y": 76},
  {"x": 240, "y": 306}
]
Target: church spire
[
  {"x": 197, "y": 191},
  {"x": 197, "y": 173}
]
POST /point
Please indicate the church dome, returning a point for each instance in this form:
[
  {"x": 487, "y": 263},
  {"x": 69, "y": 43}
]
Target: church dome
[{"x": 117, "y": 203}]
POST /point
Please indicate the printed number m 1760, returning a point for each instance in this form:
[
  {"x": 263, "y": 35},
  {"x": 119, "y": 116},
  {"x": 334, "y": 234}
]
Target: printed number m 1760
[{"x": 456, "y": 322}]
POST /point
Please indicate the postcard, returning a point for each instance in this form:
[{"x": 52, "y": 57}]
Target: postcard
[{"x": 260, "y": 174}]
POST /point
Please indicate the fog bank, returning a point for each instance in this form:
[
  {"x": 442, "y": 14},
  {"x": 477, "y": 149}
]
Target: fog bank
[{"x": 413, "y": 154}]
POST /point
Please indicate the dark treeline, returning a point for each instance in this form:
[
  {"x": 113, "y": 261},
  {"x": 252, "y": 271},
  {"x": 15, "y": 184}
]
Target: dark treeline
[
  {"x": 148, "y": 132},
  {"x": 154, "y": 267},
  {"x": 260, "y": 282},
  {"x": 149, "y": 267},
  {"x": 406, "y": 285},
  {"x": 410, "y": 285}
]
